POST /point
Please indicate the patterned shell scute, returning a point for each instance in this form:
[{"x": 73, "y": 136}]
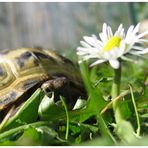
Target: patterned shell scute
[{"x": 20, "y": 70}]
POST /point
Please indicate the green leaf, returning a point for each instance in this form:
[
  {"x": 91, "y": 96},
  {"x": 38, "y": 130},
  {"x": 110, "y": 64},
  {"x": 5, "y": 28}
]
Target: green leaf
[
  {"x": 26, "y": 138},
  {"x": 49, "y": 111},
  {"x": 75, "y": 129},
  {"x": 28, "y": 113},
  {"x": 126, "y": 112},
  {"x": 29, "y": 137},
  {"x": 79, "y": 104},
  {"x": 16, "y": 132},
  {"x": 49, "y": 136}
]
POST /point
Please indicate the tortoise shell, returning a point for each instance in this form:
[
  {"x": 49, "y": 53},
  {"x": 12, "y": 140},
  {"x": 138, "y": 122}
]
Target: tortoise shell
[{"x": 22, "y": 69}]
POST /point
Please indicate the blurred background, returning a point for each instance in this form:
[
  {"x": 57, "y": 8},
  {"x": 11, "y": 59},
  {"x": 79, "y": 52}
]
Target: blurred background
[{"x": 60, "y": 26}]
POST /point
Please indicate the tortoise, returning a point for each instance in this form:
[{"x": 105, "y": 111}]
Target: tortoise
[{"x": 24, "y": 70}]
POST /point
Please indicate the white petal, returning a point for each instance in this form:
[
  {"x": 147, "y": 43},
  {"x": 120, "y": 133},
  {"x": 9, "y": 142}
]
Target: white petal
[
  {"x": 142, "y": 40},
  {"x": 120, "y": 27},
  {"x": 117, "y": 53},
  {"x": 117, "y": 33},
  {"x": 120, "y": 51},
  {"x": 106, "y": 55},
  {"x": 137, "y": 47},
  {"x": 90, "y": 56},
  {"x": 90, "y": 40},
  {"x": 142, "y": 34},
  {"x": 104, "y": 28},
  {"x": 110, "y": 33},
  {"x": 103, "y": 37},
  {"x": 81, "y": 53},
  {"x": 144, "y": 51},
  {"x": 81, "y": 49},
  {"x": 130, "y": 29},
  {"x": 127, "y": 59},
  {"x": 93, "y": 41},
  {"x": 132, "y": 41},
  {"x": 122, "y": 46},
  {"x": 97, "y": 62},
  {"x": 98, "y": 42},
  {"x": 85, "y": 44},
  {"x": 136, "y": 29},
  {"x": 122, "y": 34},
  {"x": 114, "y": 63},
  {"x": 129, "y": 34}
]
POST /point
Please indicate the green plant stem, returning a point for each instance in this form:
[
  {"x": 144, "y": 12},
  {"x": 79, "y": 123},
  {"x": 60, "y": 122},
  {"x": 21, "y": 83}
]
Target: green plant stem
[
  {"x": 115, "y": 93},
  {"x": 67, "y": 116},
  {"x": 123, "y": 128},
  {"x": 22, "y": 128},
  {"x": 136, "y": 112}
]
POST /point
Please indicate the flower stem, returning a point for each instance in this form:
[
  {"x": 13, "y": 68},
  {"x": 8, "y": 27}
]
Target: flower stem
[{"x": 115, "y": 93}]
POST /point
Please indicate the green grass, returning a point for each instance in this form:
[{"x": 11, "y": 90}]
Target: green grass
[{"x": 41, "y": 122}]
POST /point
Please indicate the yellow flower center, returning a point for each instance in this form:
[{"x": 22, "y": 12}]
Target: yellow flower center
[{"x": 111, "y": 43}]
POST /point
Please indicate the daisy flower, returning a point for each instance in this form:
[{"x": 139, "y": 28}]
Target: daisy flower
[{"x": 111, "y": 47}]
